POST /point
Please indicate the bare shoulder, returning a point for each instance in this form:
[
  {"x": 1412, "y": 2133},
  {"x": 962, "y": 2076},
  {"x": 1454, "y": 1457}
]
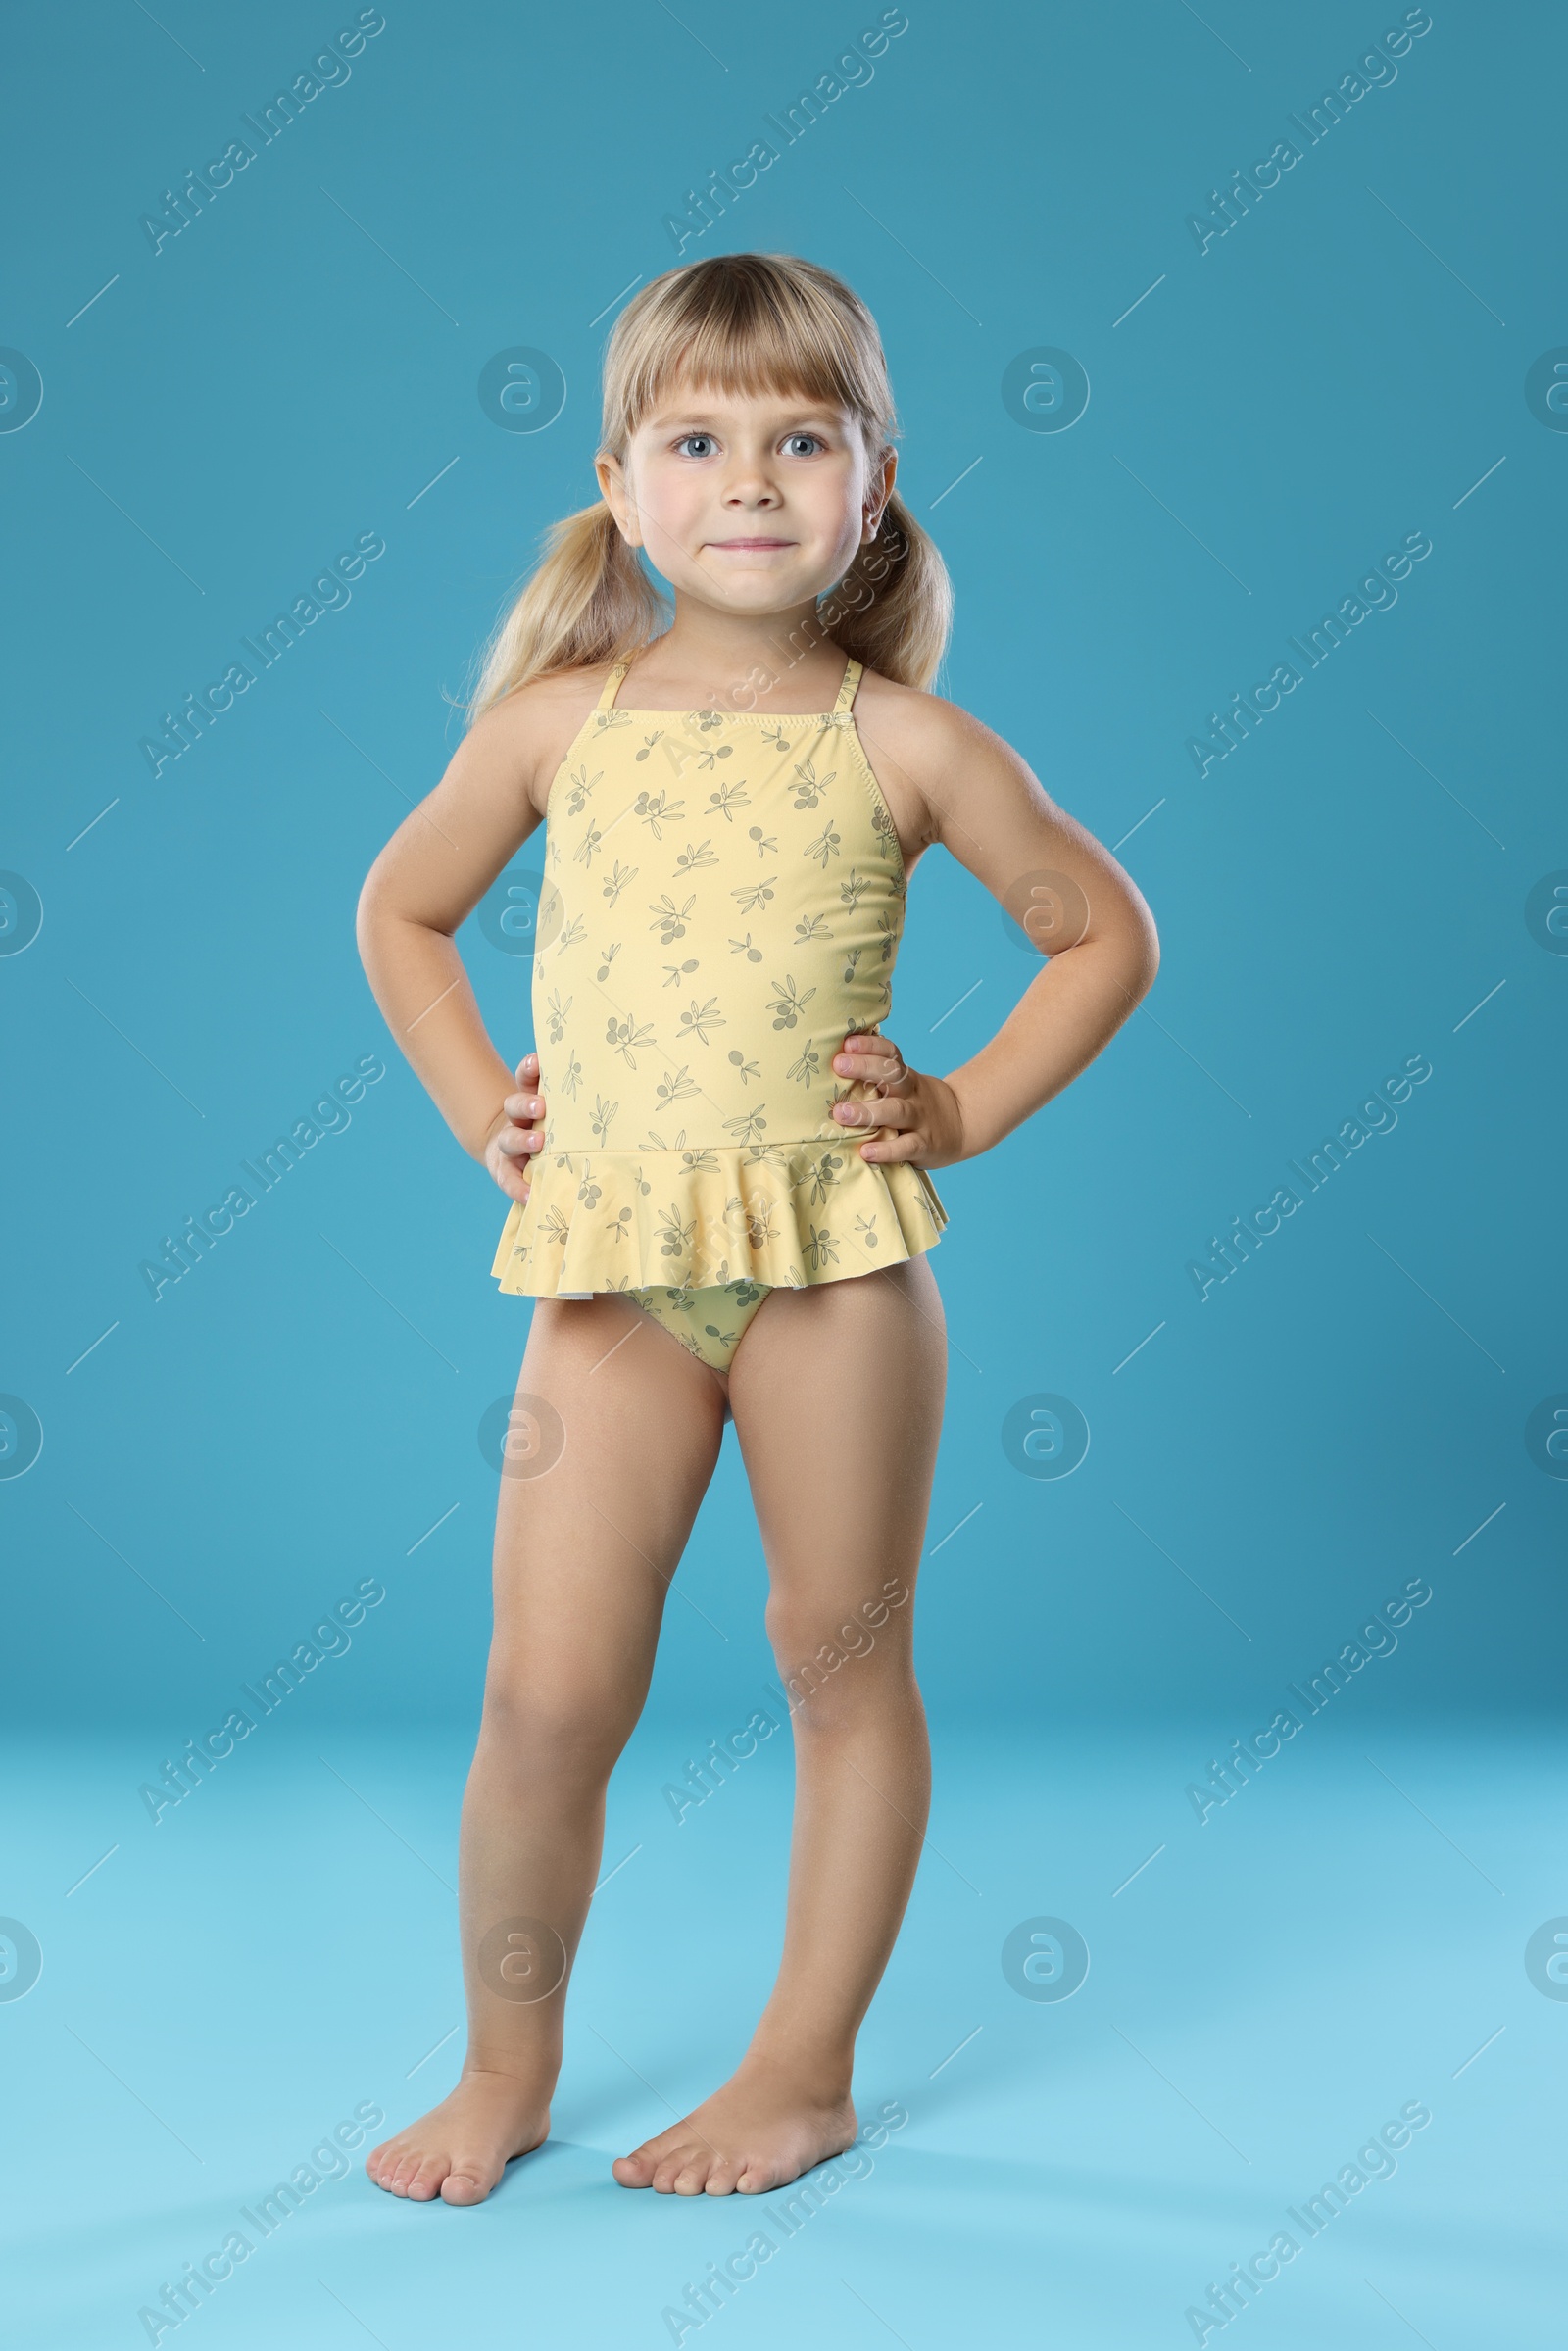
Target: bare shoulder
[
  {"x": 529, "y": 733},
  {"x": 921, "y": 747}
]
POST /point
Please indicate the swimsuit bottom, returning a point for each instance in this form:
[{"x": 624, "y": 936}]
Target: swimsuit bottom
[{"x": 709, "y": 1323}]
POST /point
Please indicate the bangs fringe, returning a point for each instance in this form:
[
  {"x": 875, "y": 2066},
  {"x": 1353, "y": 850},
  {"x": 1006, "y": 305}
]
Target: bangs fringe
[{"x": 744, "y": 327}]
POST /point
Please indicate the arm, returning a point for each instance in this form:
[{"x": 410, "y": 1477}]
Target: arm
[
  {"x": 429, "y": 877},
  {"x": 985, "y": 805}
]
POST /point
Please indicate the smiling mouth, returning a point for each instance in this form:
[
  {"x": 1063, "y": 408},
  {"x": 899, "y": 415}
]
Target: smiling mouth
[{"x": 751, "y": 546}]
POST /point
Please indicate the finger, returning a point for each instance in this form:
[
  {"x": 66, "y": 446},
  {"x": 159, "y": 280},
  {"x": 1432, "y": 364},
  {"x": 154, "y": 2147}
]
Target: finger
[
  {"x": 905, "y": 1147},
  {"x": 869, "y": 1041},
  {"x": 862, "y": 1069},
  {"x": 528, "y": 1069},
  {"x": 889, "y": 1111},
  {"x": 519, "y": 1143},
  {"x": 523, "y": 1109}
]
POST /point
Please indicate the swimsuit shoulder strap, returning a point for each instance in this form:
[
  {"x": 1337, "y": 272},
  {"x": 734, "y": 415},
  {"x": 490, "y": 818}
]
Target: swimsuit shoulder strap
[
  {"x": 851, "y": 678},
  {"x": 612, "y": 685}
]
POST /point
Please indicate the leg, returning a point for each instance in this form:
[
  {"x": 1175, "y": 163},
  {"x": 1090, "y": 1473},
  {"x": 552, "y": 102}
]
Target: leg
[
  {"x": 583, "y": 1559},
  {"x": 836, "y": 1393}
]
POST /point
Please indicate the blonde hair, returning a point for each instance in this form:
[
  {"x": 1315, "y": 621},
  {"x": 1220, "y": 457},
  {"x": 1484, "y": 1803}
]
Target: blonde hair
[{"x": 744, "y": 324}]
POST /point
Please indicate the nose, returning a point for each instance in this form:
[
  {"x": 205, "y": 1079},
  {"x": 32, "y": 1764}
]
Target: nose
[{"x": 749, "y": 484}]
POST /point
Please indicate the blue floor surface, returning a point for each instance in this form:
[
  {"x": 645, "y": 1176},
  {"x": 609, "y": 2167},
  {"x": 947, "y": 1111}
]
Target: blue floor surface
[{"x": 1339, "y": 1948}]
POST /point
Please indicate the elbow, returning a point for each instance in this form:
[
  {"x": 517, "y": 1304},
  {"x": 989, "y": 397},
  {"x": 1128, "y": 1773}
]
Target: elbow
[
  {"x": 369, "y": 915},
  {"x": 1148, "y": 968},
  {"x": 1141, "y": 944}
]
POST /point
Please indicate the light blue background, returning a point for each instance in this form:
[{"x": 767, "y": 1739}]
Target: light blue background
[{"x": 1266, "y": 420}]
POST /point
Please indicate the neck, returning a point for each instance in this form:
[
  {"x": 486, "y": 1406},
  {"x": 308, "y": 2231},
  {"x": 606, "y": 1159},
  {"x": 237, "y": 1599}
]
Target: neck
[{"x": 733, "y": 661}]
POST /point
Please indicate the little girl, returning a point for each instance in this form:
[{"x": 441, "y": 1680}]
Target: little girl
[{"x": 717, "y": 1162}]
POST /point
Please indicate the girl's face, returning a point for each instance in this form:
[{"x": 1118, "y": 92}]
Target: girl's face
[{"x": 755, "y": 503}]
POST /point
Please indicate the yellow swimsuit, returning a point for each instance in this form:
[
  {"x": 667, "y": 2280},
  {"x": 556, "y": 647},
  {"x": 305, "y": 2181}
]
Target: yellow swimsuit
[{"x": 723, "y": 900}]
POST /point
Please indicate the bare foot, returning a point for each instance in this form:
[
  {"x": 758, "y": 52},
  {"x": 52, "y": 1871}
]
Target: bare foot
[
  {"x": 459, "y": 2149},
  {"x": 765, "y": 2128}
]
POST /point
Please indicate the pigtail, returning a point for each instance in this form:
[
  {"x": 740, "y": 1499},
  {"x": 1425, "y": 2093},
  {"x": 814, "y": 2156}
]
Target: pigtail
[
  {"x": 893, "y": 609},
  {"x": 588, "y": 601}
]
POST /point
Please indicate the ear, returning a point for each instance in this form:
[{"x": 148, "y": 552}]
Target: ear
[
  {"x": 617, "y": 497},
  {"x": 879, "y": 489}
]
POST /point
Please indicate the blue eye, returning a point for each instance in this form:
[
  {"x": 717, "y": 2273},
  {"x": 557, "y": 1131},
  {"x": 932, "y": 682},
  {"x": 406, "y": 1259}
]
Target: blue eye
[
  {"x": 688, "y": 438},
  {"x": 803, "y": 436}
]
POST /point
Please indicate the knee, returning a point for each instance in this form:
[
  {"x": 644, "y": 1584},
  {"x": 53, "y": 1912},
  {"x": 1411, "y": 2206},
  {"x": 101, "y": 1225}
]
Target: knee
[
  {"x": 575, "y": 1733},
  {"x": 831, "y": 1670}
]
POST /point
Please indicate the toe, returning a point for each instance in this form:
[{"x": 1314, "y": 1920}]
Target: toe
[
  {"x": 666, "y": 2169},
  {"x": 637, "y": 2169},
  {"x": 722, "y": 2175},
  {"x": 463, "y": 2187},
  {"x": 426, "y": 2181}
]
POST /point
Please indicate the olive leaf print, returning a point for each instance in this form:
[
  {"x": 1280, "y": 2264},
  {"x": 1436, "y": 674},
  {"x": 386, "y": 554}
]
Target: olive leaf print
[
  {"x": 555, "y": 1010},
  {"x": 777, "y": 737},
  {"x": 617, "y": 878},
  {"x": 754, "y": 896},
  {"x": 589, "y": 846},
  {"x": 670, "y": 919},
  {"x": 573, "y": 929},
  {"x": 678, "y": 971},
  {"x": 571, "y": 1076},
  {"x": 825, "y": 1173},
  {"x": 743, "y": 946},
  {"x": 806, "y": 1064},
  {"x": 826, "y": 845},
  {"x": 853, "y": 888},
  {"x": 728, "y": 797},
  {"x": 678, "y": 1236},
  {"x": 743, "y": 1068},
  {"x": 698, "y": 1019},
  {"x": 656, "y": 810},
  {"x": 764, "y": 844},
  {"x": 582, "y": 786},
  {"x": 865, "y": 1226},
  {"x": 649, "y": 740},
  {"x": 677, "y": 1085},
  {"x": 809, "y": 788},
  {"x": 851, "y": 959},
  {"x": 692, "y": 861},
  {"x": 759, "y": 1214},
  {"x": 810, "y": 927},
  {"x": 749, "y": 1124},
  {"x": 788, "y": 1003},
  {"x": 623, "y": 1035},
  {"x": 820, "y": 1249},
  {"x": 603, "y": 1113},
  {"x": 607, "y": 956}
]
